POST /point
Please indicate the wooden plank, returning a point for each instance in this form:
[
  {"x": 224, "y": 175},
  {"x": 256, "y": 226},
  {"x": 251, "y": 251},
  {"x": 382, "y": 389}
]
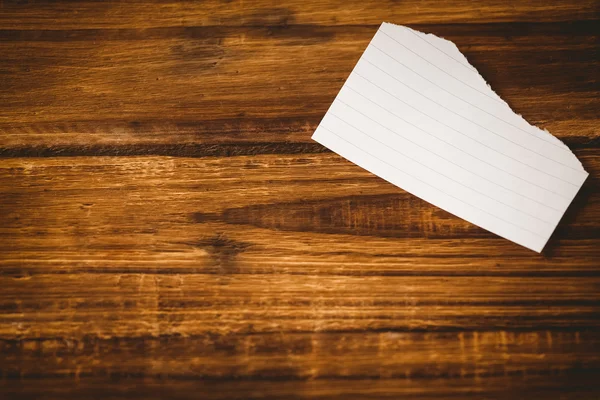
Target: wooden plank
[
  {"x": 130, "y": 305},
  {"x": 574, "y": 385},
  {"x": 227, "y": 90},
  {"x": 152, "y": 13},
  {"x": 301, "y": 214},
  {"x": 310, "y": 356}
]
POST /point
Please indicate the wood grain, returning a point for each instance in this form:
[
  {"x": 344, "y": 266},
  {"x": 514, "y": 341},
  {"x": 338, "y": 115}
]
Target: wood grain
[{"x": 169, "y": 230}]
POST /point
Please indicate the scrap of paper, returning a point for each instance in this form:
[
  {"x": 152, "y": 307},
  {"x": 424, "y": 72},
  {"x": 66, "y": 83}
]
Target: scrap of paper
[{"x": 416, "y": 113}]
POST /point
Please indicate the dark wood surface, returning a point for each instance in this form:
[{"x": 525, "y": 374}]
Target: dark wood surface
[{"x": 169, "y": 230}]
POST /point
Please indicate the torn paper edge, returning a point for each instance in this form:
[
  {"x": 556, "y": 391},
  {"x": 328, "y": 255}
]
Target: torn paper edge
[{"x": 457, "y": 53}]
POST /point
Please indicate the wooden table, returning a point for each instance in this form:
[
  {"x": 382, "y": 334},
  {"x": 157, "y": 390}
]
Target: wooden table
[{"x": 169, "y": 230}]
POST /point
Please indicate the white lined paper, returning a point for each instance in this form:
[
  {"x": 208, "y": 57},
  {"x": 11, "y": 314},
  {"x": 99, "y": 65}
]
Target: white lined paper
[{"x": 416, "y": 113}]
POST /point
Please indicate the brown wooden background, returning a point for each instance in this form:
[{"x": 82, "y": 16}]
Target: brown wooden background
[{"x": 169, "y": 230}]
